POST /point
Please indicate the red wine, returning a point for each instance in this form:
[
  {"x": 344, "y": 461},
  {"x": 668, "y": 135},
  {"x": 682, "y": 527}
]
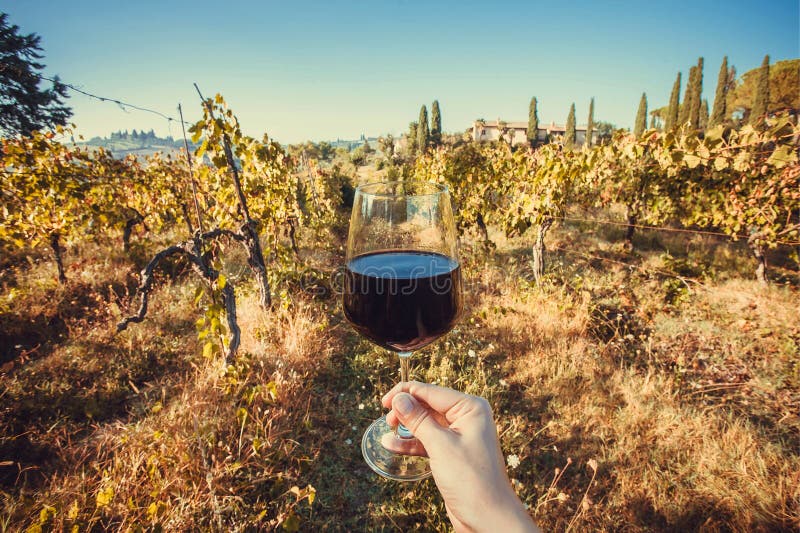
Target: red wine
[{"x": 402, "y": 300}]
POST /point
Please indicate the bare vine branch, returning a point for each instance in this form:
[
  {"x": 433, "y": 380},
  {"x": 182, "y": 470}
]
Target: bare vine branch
[{"x": 191, "y": 250}]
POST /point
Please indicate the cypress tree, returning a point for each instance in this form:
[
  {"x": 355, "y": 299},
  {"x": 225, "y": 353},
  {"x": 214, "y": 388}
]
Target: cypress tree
[
  {"x": 590, "y": 123},
  {"x": 718, "y": 113},
  {"x": 569, "y": 134},
  {"x": 423, "y": 130},
  {"x": 697, "y": 90},
  {"x": 761, "y": 99},
  {"x": 641, "y": 117},
  {"x": 672, "y": 112},
  {"x": 704, "y": 114},
  {"x": 533, "y": 122},
  {"x": 683, "y": 114},
  {"x": 412, "y": 137},
  {"x": 436, "y": 123}
]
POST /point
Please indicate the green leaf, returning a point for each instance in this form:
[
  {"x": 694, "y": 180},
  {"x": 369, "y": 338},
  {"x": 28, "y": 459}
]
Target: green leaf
[
  {"x": 721, "y": 163},
  {"x": 715, "y": 133},
  {"x": 742, "y": 161},
  {"x": 291, "y": 523},
  {"x": 782, "y": 156},
  {"x": 692, "y": 160}
]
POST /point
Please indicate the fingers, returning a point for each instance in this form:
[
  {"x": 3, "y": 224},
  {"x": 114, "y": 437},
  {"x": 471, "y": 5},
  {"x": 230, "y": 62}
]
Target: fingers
[
  {"x": 420, "y": 421},
  {"x": 392, "y": 420},
  {"x": 440, "y": 399},
  {"x": 402, "y": 446}
]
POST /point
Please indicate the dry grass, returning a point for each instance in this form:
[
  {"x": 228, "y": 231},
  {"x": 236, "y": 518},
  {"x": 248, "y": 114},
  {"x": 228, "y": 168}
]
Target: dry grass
[{"x": 634, "y": 401}]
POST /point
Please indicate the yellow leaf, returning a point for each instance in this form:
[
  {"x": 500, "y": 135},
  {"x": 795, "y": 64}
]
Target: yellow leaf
[
  {"x": 72, "y": 514},
  {"x": 152, "y": 510},
  {"x": 104, "y": 496},
  {"x": 272, "y": 390},
  {"x": 46, "y": 514},
  {"x": 198, "y": 293},
  {"x": 221, "y": 281},
  {"x": 208, "y": 350}
]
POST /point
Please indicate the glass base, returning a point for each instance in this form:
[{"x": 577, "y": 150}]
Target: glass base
[{"x": 389, "y": 464}]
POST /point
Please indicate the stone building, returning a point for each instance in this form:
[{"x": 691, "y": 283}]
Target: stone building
[{"x": 517, "y": 132}]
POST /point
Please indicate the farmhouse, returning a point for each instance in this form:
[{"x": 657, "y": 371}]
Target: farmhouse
[{"x": 483, "y": 130}]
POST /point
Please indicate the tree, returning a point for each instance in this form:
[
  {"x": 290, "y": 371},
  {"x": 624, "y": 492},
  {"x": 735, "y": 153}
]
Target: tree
[
  {"x": 367, "y": 148},
  {"x": 536, "y": 189},
  {"x": 412, "y": 137},
  {"x": 46, "y": 202},
  {"x": 423, "y": 130},
  {"x": 671, "y": 119},
  {"x": 386, "y": 146},
  {"x": 533, "y": 122},
  {"x": 436, "y": 123},
  {"x": 569, "y": 133},
  {"x": 784, "y": 90},
  {"x": 683, "y": 114},
  {"x": 641, "y": 117},
  {"x": 704, "y": 114},
  {"x": 718, "y": 113},
  {"x": 590, "y": 123},
  {"x": 505, "y": 132},
  {"x": 605, "y": 131},
  {"x": 697, "y": 91},
  {"x": 761, "y": 98},
  {"x": 326, "y": 151},
  {"x": 23, "y": 106}
]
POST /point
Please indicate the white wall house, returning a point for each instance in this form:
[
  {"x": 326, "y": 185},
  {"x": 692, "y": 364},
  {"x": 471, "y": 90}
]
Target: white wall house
[{"x": 489, "y": 130}]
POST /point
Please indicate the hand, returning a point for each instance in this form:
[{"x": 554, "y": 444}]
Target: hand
[{"x": 457, "y": 432}]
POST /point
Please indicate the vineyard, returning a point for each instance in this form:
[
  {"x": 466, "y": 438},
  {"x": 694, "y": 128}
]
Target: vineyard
[{"x": 173, "y": 354}]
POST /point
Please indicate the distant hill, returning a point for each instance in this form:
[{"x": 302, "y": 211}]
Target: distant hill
[{"x": 122, "y": 143}]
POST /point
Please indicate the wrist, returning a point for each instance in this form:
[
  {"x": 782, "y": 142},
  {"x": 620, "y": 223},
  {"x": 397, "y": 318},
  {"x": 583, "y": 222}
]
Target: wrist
[{"x": 505, "y": 512}]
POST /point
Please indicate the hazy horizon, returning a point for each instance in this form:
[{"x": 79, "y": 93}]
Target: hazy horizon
[{"x": 320, "y": 71}]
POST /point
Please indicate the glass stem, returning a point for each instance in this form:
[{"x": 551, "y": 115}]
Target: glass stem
[{"x": 401, "y": 431}]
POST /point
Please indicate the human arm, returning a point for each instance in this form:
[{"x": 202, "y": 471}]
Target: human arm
[{"x": 457, "y": 432}]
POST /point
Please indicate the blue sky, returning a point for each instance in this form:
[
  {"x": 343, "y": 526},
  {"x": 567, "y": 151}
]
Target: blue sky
[{"x": 326, "y": 69}]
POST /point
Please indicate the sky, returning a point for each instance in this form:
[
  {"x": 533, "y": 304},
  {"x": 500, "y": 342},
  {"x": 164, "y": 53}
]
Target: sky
[{"x": 322, "y": 70}]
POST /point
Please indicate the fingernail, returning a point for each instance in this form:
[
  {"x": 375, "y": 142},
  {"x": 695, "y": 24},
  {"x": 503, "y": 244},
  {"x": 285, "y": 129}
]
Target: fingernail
[{"x": 403, "y": 403}]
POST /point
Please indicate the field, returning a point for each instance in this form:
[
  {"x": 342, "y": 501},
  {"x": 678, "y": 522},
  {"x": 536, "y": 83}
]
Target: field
[{"x": 639, "y": 391}]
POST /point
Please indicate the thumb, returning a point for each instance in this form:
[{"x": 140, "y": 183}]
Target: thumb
[{"x": 418, "y": 419}]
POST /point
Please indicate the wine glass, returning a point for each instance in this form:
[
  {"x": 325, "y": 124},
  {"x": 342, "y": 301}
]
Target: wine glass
[{"x": 402, "y": 291}]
